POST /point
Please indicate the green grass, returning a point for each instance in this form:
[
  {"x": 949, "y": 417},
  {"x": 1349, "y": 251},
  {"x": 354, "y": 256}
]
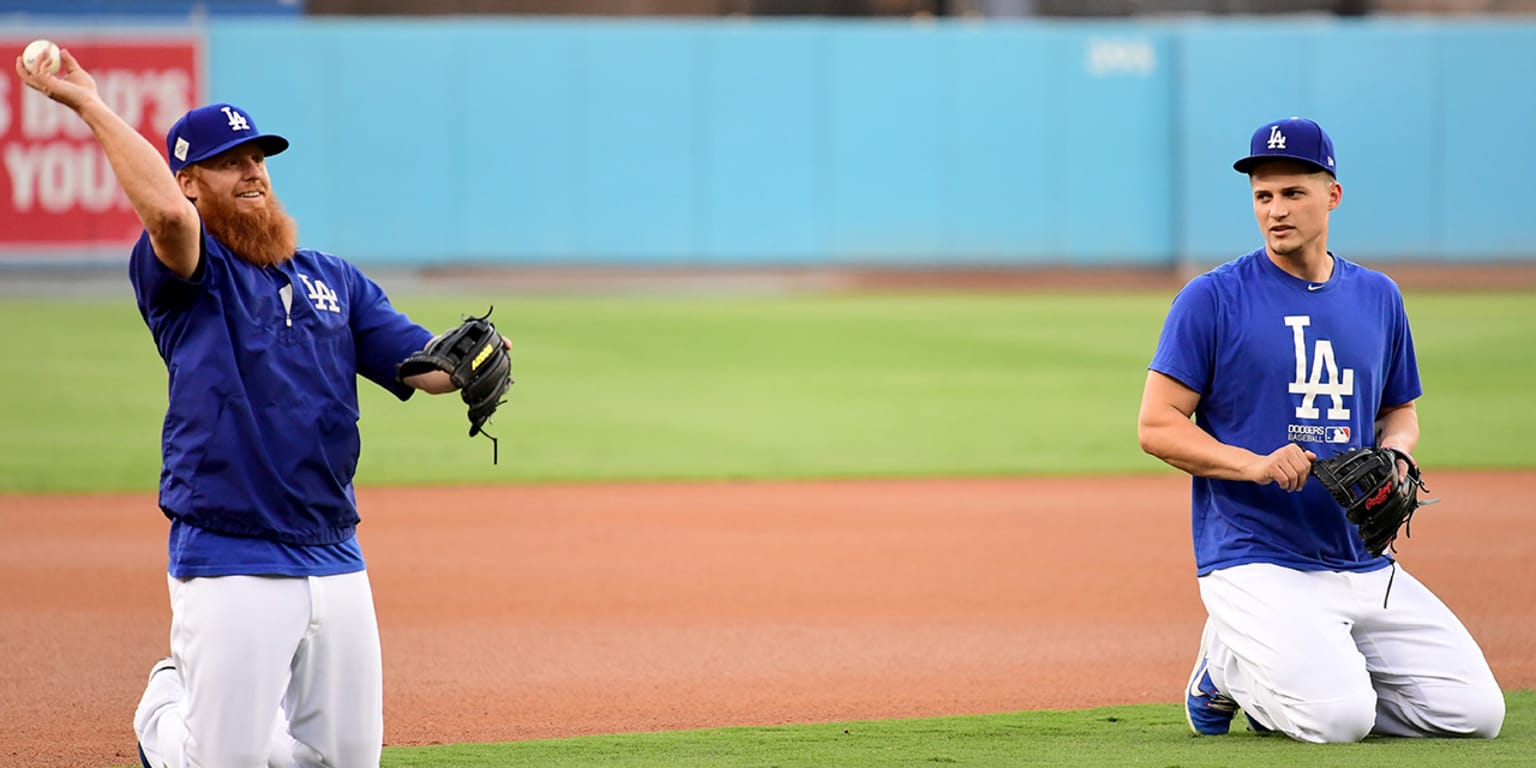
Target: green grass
[
  {"x": 1154, "y": 736},
  {"x": 809, "y": 387},
  {"x": 1139, "y": 736}
]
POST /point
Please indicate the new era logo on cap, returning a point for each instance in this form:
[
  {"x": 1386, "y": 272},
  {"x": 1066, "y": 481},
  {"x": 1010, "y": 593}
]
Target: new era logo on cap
[
  {"x": 207, "y": 131},
  {"x": 1295, "y": 138}
]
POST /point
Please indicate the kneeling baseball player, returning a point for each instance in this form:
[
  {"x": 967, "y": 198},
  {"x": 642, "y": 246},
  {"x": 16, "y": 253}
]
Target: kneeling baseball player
[
  {"x": 1295, "y": 362},
  {"x": 275, "y": 656}
]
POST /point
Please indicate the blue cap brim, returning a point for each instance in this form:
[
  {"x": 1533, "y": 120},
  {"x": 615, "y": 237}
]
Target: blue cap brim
[
  {"x": 1246, "y": 164},
  {"x": 270, "y": 143}
]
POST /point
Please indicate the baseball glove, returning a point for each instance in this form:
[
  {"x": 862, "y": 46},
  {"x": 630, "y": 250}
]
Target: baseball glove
[
  {"x": 475, "y": 359},
  {"x": 1374, "y": 495}
]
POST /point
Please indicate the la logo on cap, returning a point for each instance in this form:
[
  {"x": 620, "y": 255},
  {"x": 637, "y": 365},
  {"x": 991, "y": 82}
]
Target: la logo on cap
[
  {"x": 1276, "y": 138},
  {"x": 237, "y": 121}
]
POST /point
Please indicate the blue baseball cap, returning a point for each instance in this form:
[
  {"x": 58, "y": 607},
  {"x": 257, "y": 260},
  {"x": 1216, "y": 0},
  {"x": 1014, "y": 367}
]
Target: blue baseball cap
[
  {"x": 1295, "y": 138},
  {"x": 207, "y": 131}
]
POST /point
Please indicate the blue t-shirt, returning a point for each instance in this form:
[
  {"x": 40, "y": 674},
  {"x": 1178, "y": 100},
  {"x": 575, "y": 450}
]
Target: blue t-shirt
[
  {"x": 260, "y": 442},
  {"x": 194, "y": 551},
  {"x": 1276, "y": 360}
]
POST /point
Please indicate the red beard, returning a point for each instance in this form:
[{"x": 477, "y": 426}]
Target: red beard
[{"x": 264, "y": 237}]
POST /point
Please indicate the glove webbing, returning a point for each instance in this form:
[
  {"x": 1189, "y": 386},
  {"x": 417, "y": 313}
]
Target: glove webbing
[{"x": 494, "y": 446}]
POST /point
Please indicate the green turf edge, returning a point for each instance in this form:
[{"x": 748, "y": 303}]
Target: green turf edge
[
  {"x": 1134, "y": 736},
  {"x": 1149, "y": 735},
  {"x": 1138, "y": 735}
]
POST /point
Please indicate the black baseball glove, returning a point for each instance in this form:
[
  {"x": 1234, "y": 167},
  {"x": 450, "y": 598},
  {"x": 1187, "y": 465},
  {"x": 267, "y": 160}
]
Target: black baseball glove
[
  {"x": 475, "y": 359},
  {"x": 1374, "y": 494}
]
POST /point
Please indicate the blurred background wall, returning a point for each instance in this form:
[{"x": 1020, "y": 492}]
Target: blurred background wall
[{"x": 1039, "y": 133}]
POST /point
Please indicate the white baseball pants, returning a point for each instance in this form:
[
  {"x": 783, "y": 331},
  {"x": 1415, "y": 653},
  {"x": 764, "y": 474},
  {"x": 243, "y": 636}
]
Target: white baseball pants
[
  {"x": 270, "y": 671},
  {"x": 1315, "y": 655}
]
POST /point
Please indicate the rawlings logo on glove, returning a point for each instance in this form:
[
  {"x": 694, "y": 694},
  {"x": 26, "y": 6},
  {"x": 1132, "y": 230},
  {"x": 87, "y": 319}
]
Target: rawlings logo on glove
[{"x": 1374, "y": 494}]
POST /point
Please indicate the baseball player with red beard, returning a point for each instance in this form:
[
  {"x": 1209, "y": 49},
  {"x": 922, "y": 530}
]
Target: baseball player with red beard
[{"x": 275, "y": 656}]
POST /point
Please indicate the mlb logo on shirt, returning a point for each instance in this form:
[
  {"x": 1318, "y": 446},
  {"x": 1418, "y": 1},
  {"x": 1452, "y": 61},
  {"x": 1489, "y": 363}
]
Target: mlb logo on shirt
[{"x": 1338, "y": 434}]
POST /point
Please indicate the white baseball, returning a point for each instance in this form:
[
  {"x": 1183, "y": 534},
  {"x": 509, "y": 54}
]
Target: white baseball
[{"x": 36, "y": 50}]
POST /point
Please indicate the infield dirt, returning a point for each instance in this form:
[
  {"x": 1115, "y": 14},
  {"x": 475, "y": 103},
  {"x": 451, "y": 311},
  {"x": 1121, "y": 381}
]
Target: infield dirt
[{"x": 542, "y": 611}]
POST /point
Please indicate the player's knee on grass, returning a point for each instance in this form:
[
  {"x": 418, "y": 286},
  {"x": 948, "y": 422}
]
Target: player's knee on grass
[
  {"x": 1442, "y": 710},
  {"x": 1335, "y": 721},
  {"x": 350, "y": 753},
  {"x": 1479, "y": 714}
]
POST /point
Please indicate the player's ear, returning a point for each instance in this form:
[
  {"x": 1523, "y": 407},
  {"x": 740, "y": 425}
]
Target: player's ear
[
  {"x": 188, "y": 183},
  {"x": 1335, "y": 193}
]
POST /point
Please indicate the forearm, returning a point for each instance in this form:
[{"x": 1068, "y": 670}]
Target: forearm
[
  {"x": 1179, "y": 442},
  {"x": 154, "y": 193},
  {"x": 1398, "y": 428},
  {"x": 1166, "y": 432},
  {"x": 431, "y": 382}
]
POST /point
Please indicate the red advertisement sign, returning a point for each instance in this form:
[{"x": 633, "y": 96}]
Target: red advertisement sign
[{"x": 58, "y": 195}]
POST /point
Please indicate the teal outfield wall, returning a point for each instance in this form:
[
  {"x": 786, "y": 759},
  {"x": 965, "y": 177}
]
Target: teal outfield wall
[{"x": 748, "y": 141}]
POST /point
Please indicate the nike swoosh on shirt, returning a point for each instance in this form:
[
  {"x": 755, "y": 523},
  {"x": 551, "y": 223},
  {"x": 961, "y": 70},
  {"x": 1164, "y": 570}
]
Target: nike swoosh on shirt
[{"x": 1314, "y": 287}]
